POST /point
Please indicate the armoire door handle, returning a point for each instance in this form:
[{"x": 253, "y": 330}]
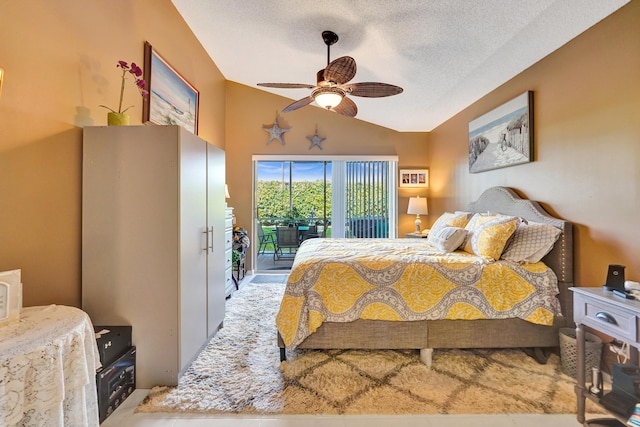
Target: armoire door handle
[{"x": 206, "y": 240}]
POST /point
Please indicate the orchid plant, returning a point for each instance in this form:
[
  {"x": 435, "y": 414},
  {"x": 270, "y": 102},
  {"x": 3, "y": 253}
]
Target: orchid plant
[{"x": 136, "y": 72}]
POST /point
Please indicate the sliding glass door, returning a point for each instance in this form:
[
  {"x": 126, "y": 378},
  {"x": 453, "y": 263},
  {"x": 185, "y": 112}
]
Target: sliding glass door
[
  {"x": 367, "y": 199},
  {"x": 333, "y": 197},
  {"x": 293, "y": 193}
]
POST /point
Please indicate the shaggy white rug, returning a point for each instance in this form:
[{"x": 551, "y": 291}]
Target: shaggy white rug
[{"x": 240, "y": 372}]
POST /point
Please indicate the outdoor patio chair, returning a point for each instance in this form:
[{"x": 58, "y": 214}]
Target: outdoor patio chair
[
  {"x": 310, "y": 233},
  {"x": 264, "y": 239},
  {"x": 287, "y": 238}
]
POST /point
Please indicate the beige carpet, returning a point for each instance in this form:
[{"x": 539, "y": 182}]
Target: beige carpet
[{"x": 240, "y": 372}]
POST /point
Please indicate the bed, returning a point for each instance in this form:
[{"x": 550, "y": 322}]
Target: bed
[{"x": 534, "y": 328}]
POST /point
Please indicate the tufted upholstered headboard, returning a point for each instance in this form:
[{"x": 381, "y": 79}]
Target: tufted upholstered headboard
[{"x": 506, "y": 201}]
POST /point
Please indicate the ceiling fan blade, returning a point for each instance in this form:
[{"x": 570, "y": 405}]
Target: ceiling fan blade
[
  {"x": 288, "y": 85},
  {"x": 341, "y": 70},
  {"x": 372, "y": 89},
  {"x": 346, "y": 107},
  {"x": 298, "y": 104}
]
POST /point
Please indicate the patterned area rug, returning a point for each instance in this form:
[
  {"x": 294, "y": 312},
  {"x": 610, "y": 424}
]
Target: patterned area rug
[{"x": 240, "y": 372}]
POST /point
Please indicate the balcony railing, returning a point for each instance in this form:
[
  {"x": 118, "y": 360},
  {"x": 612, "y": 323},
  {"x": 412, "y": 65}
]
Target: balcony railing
[
  {"x": 358, "y": 227},
  {"x": 282, "y": 220}
]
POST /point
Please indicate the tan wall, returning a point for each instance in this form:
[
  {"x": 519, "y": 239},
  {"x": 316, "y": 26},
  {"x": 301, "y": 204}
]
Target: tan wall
[
  {"x": 59, "y": 58},
  {"x": 587, "y": 145},
  {"x": 249, "y": 109}
]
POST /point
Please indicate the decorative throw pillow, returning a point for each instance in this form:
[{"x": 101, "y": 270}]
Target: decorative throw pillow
[
  {"x": 447, "y": 239},
  {"x": 449, "y": 219},
  {"x": 488, "y": 235},
  {"x": 531, "y": 241}
]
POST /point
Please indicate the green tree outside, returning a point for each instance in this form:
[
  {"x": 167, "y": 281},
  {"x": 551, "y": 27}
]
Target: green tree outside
[{"x": 307, "y": 200}]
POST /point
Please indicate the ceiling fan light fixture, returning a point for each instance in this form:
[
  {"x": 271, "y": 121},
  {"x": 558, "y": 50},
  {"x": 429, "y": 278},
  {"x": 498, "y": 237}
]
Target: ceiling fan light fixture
[
  {"x": 331, "y": 89},
  {"x": 328, "y": 97}
]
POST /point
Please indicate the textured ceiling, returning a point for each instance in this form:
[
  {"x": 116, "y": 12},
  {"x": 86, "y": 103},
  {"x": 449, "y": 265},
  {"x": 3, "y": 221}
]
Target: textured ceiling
[{"x": 446, "y": 54}]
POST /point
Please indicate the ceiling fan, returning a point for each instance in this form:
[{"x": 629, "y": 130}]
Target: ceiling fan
[{"x": 332, "y": 86}]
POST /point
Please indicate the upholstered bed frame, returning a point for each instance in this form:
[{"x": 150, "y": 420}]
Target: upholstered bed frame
[{"x": 433, "y": 334}]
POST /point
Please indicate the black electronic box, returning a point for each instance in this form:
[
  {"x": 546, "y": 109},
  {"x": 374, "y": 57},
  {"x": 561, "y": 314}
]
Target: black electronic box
[
  {"x": 115, "y": 383},
  {"x": 615, "y": 278},
  {"x": 626, "y": 379},
  {"x": 113, "y": 342}
]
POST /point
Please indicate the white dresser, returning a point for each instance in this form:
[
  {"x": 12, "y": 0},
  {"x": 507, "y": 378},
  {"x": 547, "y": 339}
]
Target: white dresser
[{"x": 229, "y": 285}]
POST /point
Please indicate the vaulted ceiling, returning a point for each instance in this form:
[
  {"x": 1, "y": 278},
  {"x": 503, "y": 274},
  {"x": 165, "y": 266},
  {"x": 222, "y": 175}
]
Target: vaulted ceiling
[{"x": 445, "y": 54}]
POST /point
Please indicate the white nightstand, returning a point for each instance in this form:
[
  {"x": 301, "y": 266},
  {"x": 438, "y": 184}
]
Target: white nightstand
[{"x": 604, "y": 312}]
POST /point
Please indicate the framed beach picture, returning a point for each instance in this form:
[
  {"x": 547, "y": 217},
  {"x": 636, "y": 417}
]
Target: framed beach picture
[
  {"x": 414, "y": 177},
  {"x": 503, "y": 136},
  {"x": 172, "y": 100}
]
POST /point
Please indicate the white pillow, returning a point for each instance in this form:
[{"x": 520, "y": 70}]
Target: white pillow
[
  {"x": 447, "y": 239},
  {"x": 448, "y": 219},
  {"x": 530, "y": 242}
]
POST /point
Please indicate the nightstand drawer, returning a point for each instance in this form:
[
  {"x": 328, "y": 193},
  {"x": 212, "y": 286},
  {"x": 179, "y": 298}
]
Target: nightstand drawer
[{"x": 609, "y": 319}]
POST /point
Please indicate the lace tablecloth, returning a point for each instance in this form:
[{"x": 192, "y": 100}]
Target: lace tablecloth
[{"x": 48, "y": 362}]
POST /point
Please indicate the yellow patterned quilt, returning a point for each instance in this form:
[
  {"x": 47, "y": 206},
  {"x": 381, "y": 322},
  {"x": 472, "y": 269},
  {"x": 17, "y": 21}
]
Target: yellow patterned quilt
[{"x": 341, "y": 280}]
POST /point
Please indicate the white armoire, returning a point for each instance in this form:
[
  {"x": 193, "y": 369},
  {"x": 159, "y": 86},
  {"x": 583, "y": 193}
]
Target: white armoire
[{"x": 153, "y": 242}]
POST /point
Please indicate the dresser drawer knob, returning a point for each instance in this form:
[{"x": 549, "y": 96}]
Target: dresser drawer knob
[{"x": 606, "y": 317}]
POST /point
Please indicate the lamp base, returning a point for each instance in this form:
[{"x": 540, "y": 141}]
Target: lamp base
[{"x": 418, "y": 223}]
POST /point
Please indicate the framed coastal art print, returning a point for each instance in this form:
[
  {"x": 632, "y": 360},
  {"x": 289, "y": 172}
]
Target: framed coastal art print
[
  {"x": 172, "y": 100},
  {"x": 503, "y": 136},
  {"x": 414, "y": 177}
]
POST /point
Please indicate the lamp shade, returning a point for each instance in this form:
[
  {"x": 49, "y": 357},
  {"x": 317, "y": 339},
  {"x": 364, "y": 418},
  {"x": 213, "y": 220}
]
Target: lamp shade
[
  {"x": 1, "y": 78},
  {"x": 418, "y": 206},
  {"x": 226, "y": 192}
]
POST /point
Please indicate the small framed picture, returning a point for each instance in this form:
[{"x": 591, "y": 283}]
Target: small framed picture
[
  {"x": 172, "y": 100},
  {"x": 414, "y": 177}
]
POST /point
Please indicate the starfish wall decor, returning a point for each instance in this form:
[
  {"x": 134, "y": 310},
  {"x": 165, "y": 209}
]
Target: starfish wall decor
[
  {"x": 275, "y": 132},
  {"x": 315, "y": 140}
]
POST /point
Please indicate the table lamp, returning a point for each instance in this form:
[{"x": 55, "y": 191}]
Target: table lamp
[
  {"x": 417, "y": 206},
  {"x": 226, "y": 194}
]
